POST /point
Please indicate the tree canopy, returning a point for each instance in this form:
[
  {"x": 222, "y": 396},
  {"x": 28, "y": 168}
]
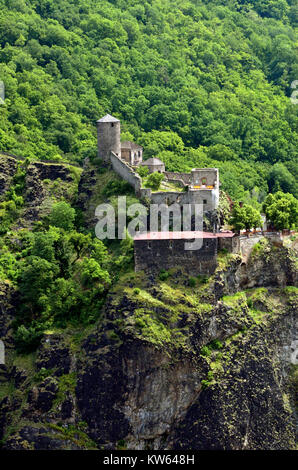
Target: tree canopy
[
  {"x": 197, "y": 83},
  {"x": 245, "y": 216},
  {"x": 282, "y": 210}
]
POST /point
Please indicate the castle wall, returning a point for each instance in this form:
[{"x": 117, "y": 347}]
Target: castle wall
[
  {"x": 210, "y": 174},
  {"x": 155, "y": 255},
  {"x": 209, "y": 198},
  {"x": 125, "y": 171},
  {"x": 231, "y": 244},
  {"x": 247, "y": 244},
  {"x": 185, "y": 177},
  {"x": 167, "y": 197},
  {"x": 177, "y": 182}
]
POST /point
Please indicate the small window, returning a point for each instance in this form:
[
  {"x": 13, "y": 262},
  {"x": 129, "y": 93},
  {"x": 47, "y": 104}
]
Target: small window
[
  {"x": 205, "y": 201},
  {"x": 112, "y": 124},
  {"x": 204, "y": 181}
]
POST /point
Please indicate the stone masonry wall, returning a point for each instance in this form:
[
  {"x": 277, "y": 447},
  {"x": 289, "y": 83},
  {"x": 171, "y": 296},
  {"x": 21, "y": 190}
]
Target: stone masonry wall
[
  {"x": 232, "y": 244},
  {"x": 126, "y": 172},
  {"x": 185, "y": 177},
  {"x": 154, "y": 255},
  {"x": 209, "y": 198},
  {"x": 108, "y": 139}
]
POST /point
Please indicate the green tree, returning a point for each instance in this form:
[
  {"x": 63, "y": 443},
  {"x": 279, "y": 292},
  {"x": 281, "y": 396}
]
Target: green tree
[
  {"x": 36, "y": 278},
  {"x": 143, "y": 171},
  {"x": 154, "y": 180},
  {"x": 245, "y": 216},
  {"x": 92, "y": 272},
  {"x": 282, "y": 210},
  {"x": 43, "y": 244},
  {"x": 62, "y": 215},
  {"x": 280, "y": 179}
]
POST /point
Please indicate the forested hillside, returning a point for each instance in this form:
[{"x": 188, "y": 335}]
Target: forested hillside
[
  {"x": 96, "y": 355},
  {"x": 197, "y": 82}
]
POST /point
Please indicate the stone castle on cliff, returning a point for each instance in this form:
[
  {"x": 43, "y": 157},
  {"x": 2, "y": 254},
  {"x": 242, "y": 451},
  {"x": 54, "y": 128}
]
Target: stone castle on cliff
[{"x": 201, "y": 186}]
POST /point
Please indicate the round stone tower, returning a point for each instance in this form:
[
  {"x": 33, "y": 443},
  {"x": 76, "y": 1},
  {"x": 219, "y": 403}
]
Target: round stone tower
[{"x": 108, "y": 137}]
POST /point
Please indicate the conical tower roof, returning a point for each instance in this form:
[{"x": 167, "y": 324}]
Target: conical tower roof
[{"x": 108, "y": 118}]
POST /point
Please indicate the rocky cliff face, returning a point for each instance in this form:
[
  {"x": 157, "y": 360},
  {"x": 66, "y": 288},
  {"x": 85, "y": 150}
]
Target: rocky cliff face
[
  {"x": 170, "y": 366},
  {"x": 44, "y": 183}
]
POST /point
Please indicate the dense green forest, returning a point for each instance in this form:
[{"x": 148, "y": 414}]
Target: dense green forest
[{"x": 196, "y": 82}]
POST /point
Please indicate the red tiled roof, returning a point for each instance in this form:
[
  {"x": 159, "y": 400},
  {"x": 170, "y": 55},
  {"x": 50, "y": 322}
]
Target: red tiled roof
[
  {"x": 226, "y": 234},
  {"x": 181, "y": 235}
]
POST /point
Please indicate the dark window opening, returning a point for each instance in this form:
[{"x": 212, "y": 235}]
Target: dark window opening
[
  {"x": 205, "y": 201},
  {"x": 112, "y": 124}
]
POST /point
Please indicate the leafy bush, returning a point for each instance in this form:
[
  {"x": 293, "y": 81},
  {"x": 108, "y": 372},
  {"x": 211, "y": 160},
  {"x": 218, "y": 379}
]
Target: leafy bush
[
  {"x": 205, "y": 351},
  {"x": 143, "y": 171},
  {"x": 154, "y": 180},
  {"x": 246, "y": 217},
  {"x": 115, "y": 188},
  {"x": 27, "y": 338},
  {"x": 282, "y": 210},
  {"x": 62, "y": 215},
  {"x": 164, "y": 275},
  {"x": 192, "y": 282}
]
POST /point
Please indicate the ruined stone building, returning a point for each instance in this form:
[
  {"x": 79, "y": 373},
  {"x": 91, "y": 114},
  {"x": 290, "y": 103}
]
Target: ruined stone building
[
  {"x": 201, "y": 186},
  {"x": 154, "y": 165},
  {"x": 131, "y": 153},
  {"x": 164, "y": 250}
]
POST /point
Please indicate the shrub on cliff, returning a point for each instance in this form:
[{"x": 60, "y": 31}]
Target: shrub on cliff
[
  {"x": 62, "y": 215},
  {"x": 63, "y": 278}
]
